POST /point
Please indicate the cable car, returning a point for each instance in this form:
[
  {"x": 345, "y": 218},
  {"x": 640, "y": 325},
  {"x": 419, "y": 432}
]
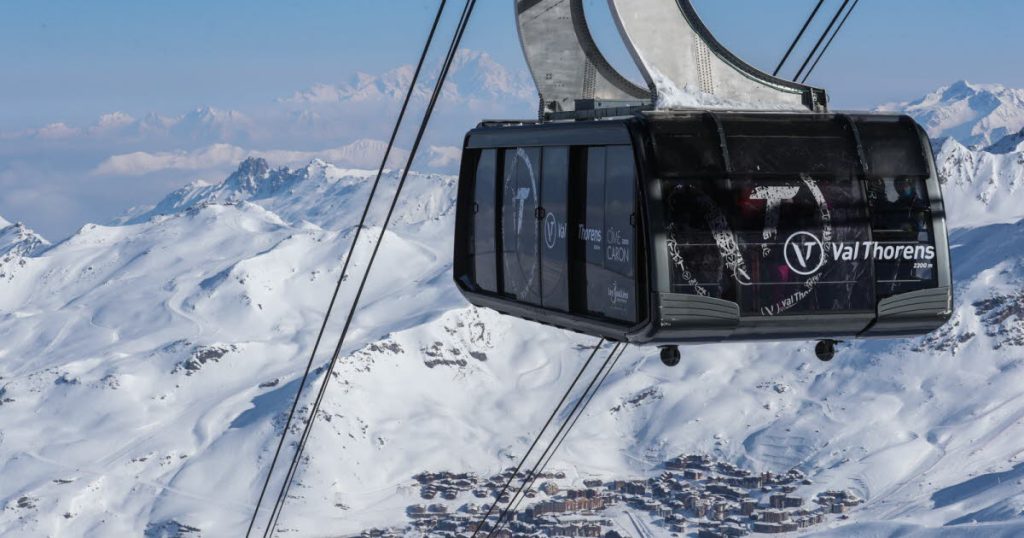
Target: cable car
[
  {"x": 670, "y": 227},
  {"x": 683, "y": 226}
]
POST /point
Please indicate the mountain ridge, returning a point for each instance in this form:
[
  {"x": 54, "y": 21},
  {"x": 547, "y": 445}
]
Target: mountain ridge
[
  {"x": 977, "y": 115},
  {"x": 980, "y": 187},
  {"x": 16, "y": 239}
]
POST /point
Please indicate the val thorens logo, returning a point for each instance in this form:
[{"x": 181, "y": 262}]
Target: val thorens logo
[
  {"x": 804, "y": 253},
  {"x": 550, "y": 230}
]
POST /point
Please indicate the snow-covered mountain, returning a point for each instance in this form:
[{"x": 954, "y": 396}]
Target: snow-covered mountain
[
  {"x": 20, "y": 240},
  {"x": 319, "y": 193},
  {"x": 981, "y": 187},
  {"x": 17, "y": 242},
  {"x": 977, "y": 115},
  {"x": 153, "y": 313},
  {"x": 977, "y": 133},
  {"x": 147, "y": 367}
]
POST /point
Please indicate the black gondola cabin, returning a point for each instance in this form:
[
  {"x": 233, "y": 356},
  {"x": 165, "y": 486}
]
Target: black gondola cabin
[{"x": 691, "y": 226}]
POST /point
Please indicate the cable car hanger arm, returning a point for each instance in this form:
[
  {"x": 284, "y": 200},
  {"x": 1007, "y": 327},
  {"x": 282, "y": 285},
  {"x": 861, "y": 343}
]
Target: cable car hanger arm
[{"x": 671, "y": 46}]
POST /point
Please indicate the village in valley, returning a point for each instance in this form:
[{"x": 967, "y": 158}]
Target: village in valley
[{"x": 692, "y": 496}]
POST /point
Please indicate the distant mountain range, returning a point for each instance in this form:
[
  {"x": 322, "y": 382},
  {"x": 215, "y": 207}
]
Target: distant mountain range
[
  {"x": 977, "y": 132},
  {"x": 976, "y": 115}
]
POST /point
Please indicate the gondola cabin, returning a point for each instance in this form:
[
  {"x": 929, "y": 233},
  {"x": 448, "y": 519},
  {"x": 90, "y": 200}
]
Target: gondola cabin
[{"x": 693, "y": 226}]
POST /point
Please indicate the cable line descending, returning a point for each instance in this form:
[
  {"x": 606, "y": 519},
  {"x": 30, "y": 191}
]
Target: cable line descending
[
  {"x": 547, "y": 423},
  {"x": 513, "y": 506},
  {"x": 552, "y": 446},
  {"x": 348, "y": 258},
  {"x": 821, "y": 39},
  {"x": 540, "y": 434},
  {"x": 438, "y": 87},
  {"x": 831, "y": 39},
  {"x": 796, "y": 40}
]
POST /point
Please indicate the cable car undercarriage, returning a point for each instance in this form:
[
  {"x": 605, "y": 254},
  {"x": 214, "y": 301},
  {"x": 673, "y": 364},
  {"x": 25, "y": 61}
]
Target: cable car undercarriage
[{"x": 756, "y": 214}]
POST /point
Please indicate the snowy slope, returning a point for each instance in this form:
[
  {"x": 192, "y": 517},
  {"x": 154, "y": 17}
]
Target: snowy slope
[
  {"x": 134, "y": 354},
  {"x": 146, "y": 368},
  {"x": 975, "y": 114}
]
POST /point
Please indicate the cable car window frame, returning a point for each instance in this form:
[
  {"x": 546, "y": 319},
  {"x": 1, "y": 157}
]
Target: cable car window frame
[
  {"x": 607, "y": 294},
  {"x": 485, "y": 275},
  {"x": 520, "y": 262},
  {"x": 555, "y": 218},
  {"x": 616, "y": 327},
  {"x": 888, "y": 286}
]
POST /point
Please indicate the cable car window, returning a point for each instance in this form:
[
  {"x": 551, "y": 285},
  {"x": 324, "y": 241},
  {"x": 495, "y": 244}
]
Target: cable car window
[
  {"x": 519, "y": 224},
  {"x": 776, "y": 246},
  {"x": 904, "y": 248},
  {"x": 608, "y": 233},
  {"x": 485, "y": 270},
  {"x": 554, "y": 228}
]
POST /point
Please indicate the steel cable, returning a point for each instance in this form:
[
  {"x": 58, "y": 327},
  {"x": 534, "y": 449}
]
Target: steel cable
[
  {"x": 821, "y": 39},
  {"x": 570, "y": 421},
  {"x": 438, "y": 88},
  {"x": 554, "y": 413},
  {"x": 348, "y": 258},
  {"x": 831, "y": 39},
  {"x": 796, "y": 40}
]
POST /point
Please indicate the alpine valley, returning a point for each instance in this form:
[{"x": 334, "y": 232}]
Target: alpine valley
[{"x": 147, "y": 367}]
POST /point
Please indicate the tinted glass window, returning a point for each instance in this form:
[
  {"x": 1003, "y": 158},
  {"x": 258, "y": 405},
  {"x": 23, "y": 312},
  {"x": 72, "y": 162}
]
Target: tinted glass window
[
  {"x": 590, "y": 232},
  {"x": 554, "y": 229},
  {"x": 519, "y": 224},
  {"x": 619, "y": 231},
  {"x": 484, "y": 255},
  {"x": 608, "y": 234},
  {"x": 775, "y": 246},
  {"x": 904, "y": 242}
]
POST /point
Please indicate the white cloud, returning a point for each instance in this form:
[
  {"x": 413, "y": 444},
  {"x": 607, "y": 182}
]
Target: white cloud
[
  {"x": 140, "y": 162},
  {"x": 444, "y": 156},
  {"x": 113, "y": 120},
  {"x": 317, "y": 94},
  {"x": 56, "y": 131},
  {"x": 363, "y": 153}
]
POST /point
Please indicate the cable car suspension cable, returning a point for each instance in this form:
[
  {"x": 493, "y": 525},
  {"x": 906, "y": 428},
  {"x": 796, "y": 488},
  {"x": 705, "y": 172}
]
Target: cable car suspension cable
[
  {"x": 563, "y": 431},
  {"x": 831, "y": 39},
  {"x": 438, "y": 88},
  {"x": 348, "y": 258},
  {"x": 538, "y": 471},
  {"x": 821, "y": 39},
  {"x": 796, "y": 40},
  {"x": 554, "y": 413}
]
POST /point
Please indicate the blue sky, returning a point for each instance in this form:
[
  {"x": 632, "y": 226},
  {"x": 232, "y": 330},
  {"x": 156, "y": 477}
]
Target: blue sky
[{"x": 71, "y": 61}]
